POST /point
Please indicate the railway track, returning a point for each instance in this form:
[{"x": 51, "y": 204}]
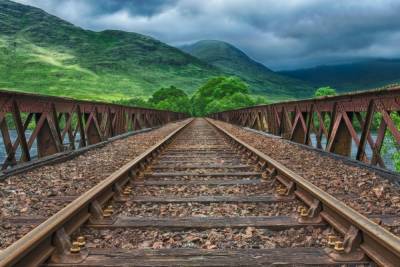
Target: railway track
[{"x": 201, "y": 197}]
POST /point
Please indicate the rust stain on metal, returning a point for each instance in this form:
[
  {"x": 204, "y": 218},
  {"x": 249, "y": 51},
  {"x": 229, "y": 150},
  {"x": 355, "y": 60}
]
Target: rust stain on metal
[
  {"x": 58, "y": 124},
  {"x": 333, "y": 119}
]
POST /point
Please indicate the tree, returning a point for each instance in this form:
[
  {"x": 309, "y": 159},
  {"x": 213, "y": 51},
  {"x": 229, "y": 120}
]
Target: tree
[
  {"x": 390, "y": 146},
  {"x": 222, "y": 93},
  {"x": 325, "y": 91},
  {"x": 170, "y": 98},
  {"x": 134, "y": 102},
  {"x": 166, "y": 93}
]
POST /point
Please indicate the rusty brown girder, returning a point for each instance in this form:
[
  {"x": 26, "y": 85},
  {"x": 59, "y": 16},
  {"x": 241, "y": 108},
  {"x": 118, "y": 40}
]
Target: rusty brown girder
[
  {"x": 334, "y": 118},
  {"x": 57, "y": 124}
]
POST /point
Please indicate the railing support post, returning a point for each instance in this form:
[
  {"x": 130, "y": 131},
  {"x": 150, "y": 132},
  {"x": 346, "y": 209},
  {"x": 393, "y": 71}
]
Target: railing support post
[
  {"x": 92, "y": 134},
  {"x": 46, "y": 143},
  {"x": 341, "y": 137}
]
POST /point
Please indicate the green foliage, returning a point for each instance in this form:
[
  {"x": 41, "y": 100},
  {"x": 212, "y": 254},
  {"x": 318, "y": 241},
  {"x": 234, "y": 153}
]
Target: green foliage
[
  {"x": 325, "y": 91},
  {"x": 134, "y": 102},
  {"x": 390, "y": 145},
  {"x": 180, "y": 104},
  {"x": 222, "y": 93},
  {"x": 218, "y": 94},
  {"x": 170, "y": 98},
  {"x": 41, "y": 53},
  {"x": 260, "y": 79},
  {"x": 166, "y": 93}
]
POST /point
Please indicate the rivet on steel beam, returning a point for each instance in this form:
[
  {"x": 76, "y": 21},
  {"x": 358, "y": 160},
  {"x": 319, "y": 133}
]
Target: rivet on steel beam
[
  {"x": 127, "y": 192},
  {"x": 81, "y": 240},
  {"x": 281, "y": 191},
  {"x": 75, "y": 248},
  {"x": 106, "y": 214},
  {"x": 109, "y": 209},
  {"x": 331, "y": 240},
  {"x": 339, "y": 246},
  {"x": 300, "y": 208},
  {"x": 264, "y": 175},
  {"x": 304, "y": 212}
]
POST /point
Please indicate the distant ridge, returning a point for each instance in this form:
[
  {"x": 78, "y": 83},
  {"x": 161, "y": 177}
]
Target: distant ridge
[
  {"x": 234, "y": 61},
  {"x": 367, "y": 74},
  {"x": 42, "y": 53}
]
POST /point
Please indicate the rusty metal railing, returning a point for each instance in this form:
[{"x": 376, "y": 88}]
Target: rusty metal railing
[
  {"x": 50, "y": 125},
  {"x": 346, "y": 125}
]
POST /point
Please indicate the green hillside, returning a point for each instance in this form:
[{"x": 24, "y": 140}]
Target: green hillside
[
  {"x": 44, "y": 54},
  {"x": 261, "y": 79},
  {"x": 352, "y": 77}
]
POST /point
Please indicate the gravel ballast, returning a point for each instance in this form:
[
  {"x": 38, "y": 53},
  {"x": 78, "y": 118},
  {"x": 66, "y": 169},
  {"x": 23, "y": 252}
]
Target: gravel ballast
[
  {"x": 225, "y": 238},
  {"x": 211, "y": 209},
  {"x": 27, "y": 194},
  {"x": 203, "y": 190},
  {"x": 371, "y": 194}
]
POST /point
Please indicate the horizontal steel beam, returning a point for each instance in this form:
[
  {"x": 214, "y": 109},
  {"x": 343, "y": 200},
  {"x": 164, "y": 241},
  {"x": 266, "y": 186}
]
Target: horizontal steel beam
[
  {"x": 39, "y": 126},
  {"x": 330, "y": 123}
]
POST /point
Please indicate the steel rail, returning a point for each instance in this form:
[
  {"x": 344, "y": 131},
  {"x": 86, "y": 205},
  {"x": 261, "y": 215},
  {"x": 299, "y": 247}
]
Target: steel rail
[
  {"x": 36, "y": 246},
  {"x": 378, "y": 243}
]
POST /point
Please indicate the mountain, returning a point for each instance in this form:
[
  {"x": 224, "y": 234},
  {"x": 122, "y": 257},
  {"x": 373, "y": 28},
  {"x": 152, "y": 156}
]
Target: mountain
[
  {"x": 367, "y": 74},
  {"x": 44, "y": 54},
  {"x": 261, "y": 79}
]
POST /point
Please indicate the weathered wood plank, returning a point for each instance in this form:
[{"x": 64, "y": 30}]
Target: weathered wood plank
[
  {"x": 198, "y": 166},
  {"x": 273, "y": 223},
  {"x": 211, "y": 199},
  {"x": 216, "y": 182},
  {"x": 203, "y": 257},
  {"x": 200, "y": 154},
  {"x": 169, "y": 174},
  {"x": 191, "y": 156},
  {"x": 194, "y": 161}
]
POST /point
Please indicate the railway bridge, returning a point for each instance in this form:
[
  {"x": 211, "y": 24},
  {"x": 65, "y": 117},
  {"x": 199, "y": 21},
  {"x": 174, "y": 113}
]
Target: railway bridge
[{"x": 300, "y": 183}]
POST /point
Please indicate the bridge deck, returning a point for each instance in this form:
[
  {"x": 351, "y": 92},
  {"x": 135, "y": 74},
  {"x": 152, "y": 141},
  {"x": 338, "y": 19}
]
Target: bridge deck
[
  {"x": 32, "y": 193},
  {"x": 365, "y": 190},
  {"x": 201, "y": 202}
]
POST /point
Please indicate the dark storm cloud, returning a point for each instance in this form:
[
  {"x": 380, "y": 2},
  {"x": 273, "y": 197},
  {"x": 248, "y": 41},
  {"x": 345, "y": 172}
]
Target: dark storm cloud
[
  {"x": 280, "y": 34},
  {"x": 136, "y": 7}
]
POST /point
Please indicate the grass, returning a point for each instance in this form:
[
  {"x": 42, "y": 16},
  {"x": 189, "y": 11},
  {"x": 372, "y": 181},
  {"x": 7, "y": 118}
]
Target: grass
[
  {"x": 46, "y": 70},
  {"x": 44, "y": 54}
]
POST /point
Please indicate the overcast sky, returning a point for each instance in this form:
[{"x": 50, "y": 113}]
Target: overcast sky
[{"x": 282, "y": 34}]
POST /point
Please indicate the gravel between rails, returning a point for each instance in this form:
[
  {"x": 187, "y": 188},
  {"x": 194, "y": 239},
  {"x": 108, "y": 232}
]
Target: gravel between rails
[
  {"x": 373, "y": 194},
  {"x": 203, "y": 190},
  {"x": 23, "y": 194},
  {"x": 194, "y": 177},
  {"x": 212, "y": 209},
  {"x": 204, "y": 170},
  {"x": 225, "y": 238}
]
